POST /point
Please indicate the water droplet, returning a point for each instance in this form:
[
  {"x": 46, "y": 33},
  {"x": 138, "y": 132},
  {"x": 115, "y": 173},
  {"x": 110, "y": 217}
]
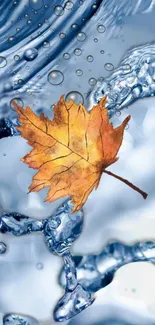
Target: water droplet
[
  {"x": 101, "y": 28},
  {"x": 90, "y": 58},
  {"x": 81, "y": 36},
  {"x": 100, "y": 79},
  {"x": 3, "y": 248},
  {"x": 102, "y": 51},
  {"x": 75, "y": 96},
  {"x": 16, "y": 57},
  {"x": 78, "y": 51},
  {"x": 3, "y": 62},
  {"x": 52, "y": 107},
  {"x": 79, "y": 72},
  {"x": 39, "y": 266},
  {"x": 30, "y": 54},
  {"x": 66, "y": 56},
  {"x": 18, "y": 101},
  {"x": 11, "y": 39},
  {"x": 109, "y": 66},
  {"x": 36, "y": 4},
  {"x": 95, "y": 40},
  {"x": 74, "y": 26},
  {"x": 69, "y": 5},
  {"x": 118, "y": 113},
  {"x": 92, "y": 81},
  {"x": 62, "y": 35},
  {"x": 58, "y": 10},
  {"x": 29, "y": 22},
  {"x": 46, "y": 44},
  {"x": 55, "y": 77},
  {"x": 20, "y": 82}
]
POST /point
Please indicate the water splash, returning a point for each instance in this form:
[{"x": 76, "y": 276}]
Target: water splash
[
  {"x": 97, "y": 271},
  {"x": 60, "y": 230},
  {"x": 15, "y": 319},
  {"x": 132, "y": 80}
]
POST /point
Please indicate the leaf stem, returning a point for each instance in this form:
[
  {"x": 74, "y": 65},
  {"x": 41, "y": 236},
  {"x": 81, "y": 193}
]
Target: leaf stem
[{"x": 127, "y": 182}]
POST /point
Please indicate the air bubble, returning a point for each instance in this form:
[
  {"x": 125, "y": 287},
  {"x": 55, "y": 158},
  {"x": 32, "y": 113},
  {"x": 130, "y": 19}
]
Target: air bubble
[
  {"x": 66, "y": 56},
  {"x": 20, "y": 81},
  {"x": 69, "y": 5},
  {"x": 101, "y": 28},
  {"x": 29, "y": 22},
  {"x": 95, "y": 40},
  {"x": 3, "y": 62},
  {"x": 81, "y": 36},
  {"x": 17, "y": 29},
  {"x": 109, "y": 66},
  {"x": 92, "y": 81},
  {"x": 58, "y": 10},
  {"x": 102, "y": 51},
  {"x": 90, "y": 58},
  {"x": 74, "y": 26},
  {"x": 3, "y": 248},
  {"x": 18, "y": 101},
  {"x": 52, "y": 107},
  {"x": 30, "y": 54},
  {"x": 77, "y": 51},
  {"x": 79, "y": 72},
  {"x": 46, "y": 44},
  {"x": 39, "y": 266},
  {"x": 11, "y": 39},
  {"x": 16, "y": 57},
  {"x": 36, "y": 4},
  {"x": 55, "y": 77},
  {"x": 75, "y": 96},
  {"x": 62, "y": 35}
]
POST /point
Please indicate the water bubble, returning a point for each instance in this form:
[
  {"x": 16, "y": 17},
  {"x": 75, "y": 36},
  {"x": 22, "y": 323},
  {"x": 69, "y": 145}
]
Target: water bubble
[
  {"x": 58, "y": 10},
  {"x": 102, "y": 51},
  {"x": 29, "y": 22},
  {"x": 52, "y": 107},
  {"x": 18, "y": 101},
  {"x": 92, "y": 81},
  {"x": 78, "y": 51},
  {"x": 3, "y": 62},
  {"x": 36, "y": 4},
  {"x": 16, "y": 57},
  {"x": 55, "y": 77},
  {"x": 100, "y": 79},
  {"x": 95, "y": 40},
  {"x": 17, "y": 29},
  {"x": 30, "y": 54},
  {"x": 46, "y": 44},
  {"x": 26, "y": 16},
  {"x": 81, "y": 36},
  {"x": 39, "y": 266},
  {"x": 3, "y": 248},
  {"x": 62, "y": 35},
  {"x": 90, "y": 58},
  {"x": 109, "y": 66},
  {"x": 101, "y": 28},
  {"x": 118, "y": 113},
  {"x": 69, "y": 5},
  {"x": 79, "y": 72},
  {"x": 66, "y": 56},
  {"x": 46, "y": 6},
  {"x": 11, "y": 39},
  {"x": 74, "y": 26},
  {"x": 20, "y": 81},
  {"x": 75, "y": 96}
]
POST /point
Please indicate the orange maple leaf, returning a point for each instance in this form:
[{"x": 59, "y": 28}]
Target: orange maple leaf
[{"x": 71, "y": 151}]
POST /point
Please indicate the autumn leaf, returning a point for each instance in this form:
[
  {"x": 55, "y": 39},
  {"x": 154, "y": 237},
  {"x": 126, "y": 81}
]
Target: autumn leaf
[{"x": 71, "y": 151}]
